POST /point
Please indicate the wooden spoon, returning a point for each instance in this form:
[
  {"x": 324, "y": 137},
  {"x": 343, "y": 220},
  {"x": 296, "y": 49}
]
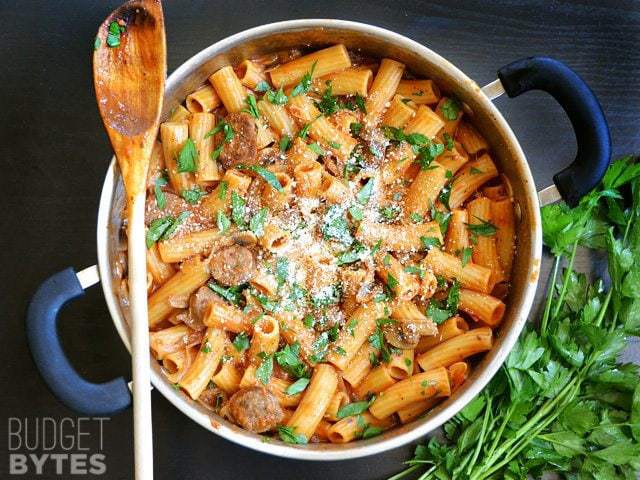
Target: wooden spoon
[{"x": 129, "y": 69}]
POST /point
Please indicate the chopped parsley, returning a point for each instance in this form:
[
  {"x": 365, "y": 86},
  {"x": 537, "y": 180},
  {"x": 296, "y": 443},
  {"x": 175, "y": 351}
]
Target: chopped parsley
[
  {"x": 285, "y": 143},
  {"x": 163, "y": 228},
  {"x": 265, "y": 369},
  {"x": 238, "y": 209},
  {"x": 161, "y": 199},
  {"x": 482, "y": 229},
  {"x": 241, "y": 342},
  {"x": 223, "y": 222},
  {"x": 466, "y": 255},
  {"x": 113, "y": 36},
  {"x": 194, "y": 195},
  {"x": 413, "y": 269},
  {"x": 278, "y": 97},
  {"x": 262, "y": 87},
  {"x": 448, "y": 141},
  {"x": 267, "y": 175},
  {"x": 365, "y": 192},
  {"x": 188, "y": 157},
  {"x": 355, "y": 128},
  {"x": 305, "y": 83},
  {"x": 355, "y": 254},
  {"x": 354, "y": 408},
  {"x": 356, "y": 213},
  {"x": 252, "y": 106},
  {"x": 428, "y": 153},
  {"x": 289, "y": 360},
  {"x": 256, "y": 224},
  {"x": 297, "y": 386},
  {"x": 222, "y": 190},
  {"x": 416, "y": 217},
  {"x": 335, "y": 226},
  {"x": 451, "y": 108},
  {"x": 390, "y": 212},
  {"x": 230, "y": 294},
  {"x": 289, "y": 435},
  {"x": 429, "y": 242},
  {"x": 314, "y": 147},
  {"x": 328, "y": 104},
  {"x": 319, "y": 348}
]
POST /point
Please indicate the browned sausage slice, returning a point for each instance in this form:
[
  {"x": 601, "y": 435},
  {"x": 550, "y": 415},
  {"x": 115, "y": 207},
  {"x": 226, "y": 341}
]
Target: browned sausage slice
[
  {"x": 256, "y": 409},
  {"x": 175, "y": 205},
  {"x": 233, "y": 265},
  {"x": 242, "y": 149}
]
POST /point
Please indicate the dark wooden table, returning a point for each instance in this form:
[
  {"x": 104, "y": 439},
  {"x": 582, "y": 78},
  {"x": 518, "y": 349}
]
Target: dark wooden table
[{"x": 54, "y": 155}]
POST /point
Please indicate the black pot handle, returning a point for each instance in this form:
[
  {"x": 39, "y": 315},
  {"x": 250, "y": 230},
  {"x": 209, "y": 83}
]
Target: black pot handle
[{"x": 584, "y": 112}]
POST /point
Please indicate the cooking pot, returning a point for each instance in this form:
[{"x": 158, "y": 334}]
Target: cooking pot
[{"x": 539, "y": 73}]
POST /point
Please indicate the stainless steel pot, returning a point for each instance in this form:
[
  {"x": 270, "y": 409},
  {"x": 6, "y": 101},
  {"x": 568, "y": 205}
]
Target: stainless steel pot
[{"x": 541, "y": 73}]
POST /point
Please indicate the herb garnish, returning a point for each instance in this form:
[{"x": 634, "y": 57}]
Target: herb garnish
[
  {"x": 305, "y": 82},
  {"x": 188, "y": 157}
]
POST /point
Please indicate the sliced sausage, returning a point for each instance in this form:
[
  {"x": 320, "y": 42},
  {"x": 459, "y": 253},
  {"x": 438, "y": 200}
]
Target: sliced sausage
[
  {"x": 256, "y": 409},
  {"x": 198, "y": 304},
  {"x": 233, "y": 265},
  {"x": 242, "y": 149},
  {"x": 174, "y": 206}
]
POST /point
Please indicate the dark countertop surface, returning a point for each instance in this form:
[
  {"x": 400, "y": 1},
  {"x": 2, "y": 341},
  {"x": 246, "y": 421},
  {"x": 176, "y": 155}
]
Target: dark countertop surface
[{"x": 54, "y": 153}]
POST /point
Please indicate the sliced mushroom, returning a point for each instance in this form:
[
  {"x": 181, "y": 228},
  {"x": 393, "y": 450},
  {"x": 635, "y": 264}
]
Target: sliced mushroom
[{"x": 401, "y": 335}]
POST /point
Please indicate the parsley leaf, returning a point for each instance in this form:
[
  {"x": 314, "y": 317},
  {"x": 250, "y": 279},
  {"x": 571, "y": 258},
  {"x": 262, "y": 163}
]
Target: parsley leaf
[
  {"x": 365, "y": 192},
  {"x": 194, "y": 195},
  {"x": 114, "y": 33},
  {"x": 354, "y": 408},
  {"x": 451, "y": 108},
  {"x": 483, "y": 229},
  {"x": 289, "y": 435},
  {"x": 297, "y": 386},
  {"x": 277, "y": 98},
  {"x": 252, "y": 106},
  {"x": 230, "y": 294},
  {"x": 265, "y": 369},
  {"x": 238, "y": 209},
  {"x": 161, "y": 199},
  {"x": 241, "y": 342},
  {"x": 267, "y": 175},
  {"x": 466, "y": 255},
  {"x": 223, "y": 222},
  {"x": 262, "y": 87},
  {"x": 289, "y": 360},
  {"x": 188, "y": 157},
  {"x": 305, "y": 83},
  {"x": 285, "y": 143},
  {"x": 256, "y": 224}
]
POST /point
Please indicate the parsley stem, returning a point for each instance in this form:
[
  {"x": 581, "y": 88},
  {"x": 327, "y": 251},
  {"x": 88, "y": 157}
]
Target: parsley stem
[
  {"x": 406, "y": 472},
  {"x": 525, "y": 429},
  {"x": 500, "y": 431},
  {"x": 567, "y": 277},
  {"x": 485, "y": 421},
  {"x": 550, "y": 291}
]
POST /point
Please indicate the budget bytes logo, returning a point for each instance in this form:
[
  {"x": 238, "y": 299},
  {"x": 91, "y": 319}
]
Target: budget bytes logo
[{"x": 64, "y": 446}]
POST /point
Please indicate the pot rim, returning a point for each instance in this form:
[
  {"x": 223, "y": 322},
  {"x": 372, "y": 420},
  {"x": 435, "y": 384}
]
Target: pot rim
[{"x": 387, "y": 441}]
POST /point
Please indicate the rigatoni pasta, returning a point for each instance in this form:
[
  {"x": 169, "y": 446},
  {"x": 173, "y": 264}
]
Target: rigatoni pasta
[{"x": 324, "y": 236}]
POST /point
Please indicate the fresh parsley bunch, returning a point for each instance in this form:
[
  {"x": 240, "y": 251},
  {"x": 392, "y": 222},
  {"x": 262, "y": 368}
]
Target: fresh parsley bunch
[{"x": 562, "y": 402}]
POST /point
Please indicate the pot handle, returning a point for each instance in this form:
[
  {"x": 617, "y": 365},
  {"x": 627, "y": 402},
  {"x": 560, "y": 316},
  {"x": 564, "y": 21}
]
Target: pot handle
[
  {"x": 584, "y": 112},
  {"x": 63, "y": 381}
]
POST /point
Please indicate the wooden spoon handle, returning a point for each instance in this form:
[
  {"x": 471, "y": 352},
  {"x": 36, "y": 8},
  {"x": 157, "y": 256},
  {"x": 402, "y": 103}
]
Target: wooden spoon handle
[{"x": 140, "y": 365}]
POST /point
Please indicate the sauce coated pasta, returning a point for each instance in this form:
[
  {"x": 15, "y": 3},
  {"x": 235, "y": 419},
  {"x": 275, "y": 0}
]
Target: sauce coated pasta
[{"x": 329, "y": 245}]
